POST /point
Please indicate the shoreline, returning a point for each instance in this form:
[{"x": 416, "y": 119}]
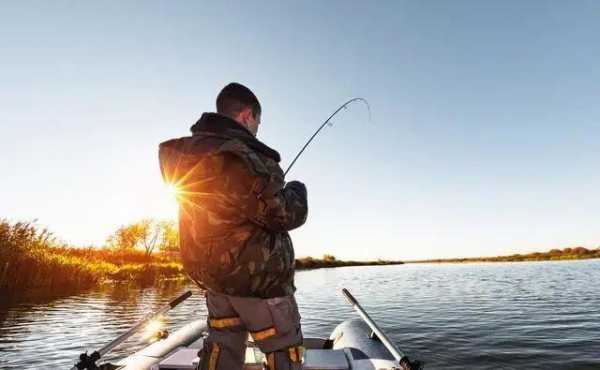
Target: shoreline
[{"x": 567, "y": 254}]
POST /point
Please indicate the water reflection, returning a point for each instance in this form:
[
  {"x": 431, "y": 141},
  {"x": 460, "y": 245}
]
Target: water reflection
[
  {"x": 477, "y": 316},
  {"x": 43, "y": 335}
]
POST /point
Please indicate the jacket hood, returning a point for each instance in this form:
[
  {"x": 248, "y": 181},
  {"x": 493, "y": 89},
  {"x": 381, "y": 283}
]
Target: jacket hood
[{"x": 218, "y": 124}]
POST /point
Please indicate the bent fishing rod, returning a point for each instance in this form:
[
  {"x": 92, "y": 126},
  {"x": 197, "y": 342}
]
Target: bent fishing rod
[
  {"x": 343, "y": 106},
  {"x": 89, "y": 361}
]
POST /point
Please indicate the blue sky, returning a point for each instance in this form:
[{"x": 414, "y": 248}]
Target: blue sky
[{"x": 483, "y": 139}]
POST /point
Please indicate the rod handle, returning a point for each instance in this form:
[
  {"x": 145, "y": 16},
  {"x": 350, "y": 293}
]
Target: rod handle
[
  {"x": 349, "y": 297},
  {"x": 180, "y": 299}
]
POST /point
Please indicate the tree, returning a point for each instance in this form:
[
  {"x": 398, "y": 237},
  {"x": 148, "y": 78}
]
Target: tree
[
  {"x": 126, "y": 237},
  {"x": 170, "y": 237},
  {"x": 147, "y": 234},
  {"x": 581, "y": 251},
  {"x": 328, "y": 258},
  {"x": 151, "y": 233}
]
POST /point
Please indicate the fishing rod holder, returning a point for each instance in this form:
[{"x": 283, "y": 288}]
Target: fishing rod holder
[{"x": 88, "y": 362}]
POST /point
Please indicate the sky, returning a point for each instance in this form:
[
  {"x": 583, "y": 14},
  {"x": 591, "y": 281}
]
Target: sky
[{"x": 483, "y": 139}]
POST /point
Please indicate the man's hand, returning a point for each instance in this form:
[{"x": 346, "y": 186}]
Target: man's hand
[{"x": 297, "y": 187}]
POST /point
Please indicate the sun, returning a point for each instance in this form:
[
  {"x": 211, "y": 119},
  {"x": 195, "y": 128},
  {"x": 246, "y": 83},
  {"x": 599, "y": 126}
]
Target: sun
[
  {"x": 172, "y": 190},
  {"x": 170, "y": 200}
]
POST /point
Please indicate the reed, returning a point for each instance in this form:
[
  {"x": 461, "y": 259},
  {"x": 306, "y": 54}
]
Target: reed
[
  {"x": 27, "y": 263},
  {"x": 33, "y": 264}
]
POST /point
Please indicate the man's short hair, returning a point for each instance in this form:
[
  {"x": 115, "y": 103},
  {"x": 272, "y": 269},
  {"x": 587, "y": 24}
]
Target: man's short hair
[{"x": 234, "y": 98}]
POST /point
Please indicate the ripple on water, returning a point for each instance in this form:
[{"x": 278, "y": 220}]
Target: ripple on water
[{"x": 455, "y": 316}]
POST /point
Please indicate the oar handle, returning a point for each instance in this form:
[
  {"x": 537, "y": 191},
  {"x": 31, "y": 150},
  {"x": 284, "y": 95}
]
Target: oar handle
[
  {"x": 180, "y": 299},
  {"x": 349, "y": 297}
]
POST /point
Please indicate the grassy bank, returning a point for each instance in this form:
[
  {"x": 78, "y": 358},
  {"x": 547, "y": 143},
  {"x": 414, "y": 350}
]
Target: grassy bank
[
  {"x": 34, "y": 265},
  {"x": 576, "y": 253}
]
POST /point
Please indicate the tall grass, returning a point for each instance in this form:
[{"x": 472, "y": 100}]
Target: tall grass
[
  {"x": 34, "y": 265},
  {"x": 27, "y": 263},
  {"x": 114, "y": 256}
]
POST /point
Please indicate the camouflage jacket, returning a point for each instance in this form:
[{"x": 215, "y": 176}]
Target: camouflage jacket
[{"x": 234, "y": 210}]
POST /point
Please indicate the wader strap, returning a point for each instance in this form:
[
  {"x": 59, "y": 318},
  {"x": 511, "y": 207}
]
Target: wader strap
[
  {"x": 224, "y": 322},
  {"x": 264, "y": 334},
  {"x": 214, "y": 357},
  {"x": 296, "y": 353},
  {"x": 271, "y": 361}
]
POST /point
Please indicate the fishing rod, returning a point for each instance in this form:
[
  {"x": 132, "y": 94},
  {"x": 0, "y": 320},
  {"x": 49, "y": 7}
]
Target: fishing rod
[
  {"x": 89, "y": 361},
  {"x": 403, "y": 361},
  {"x": 343, "y": 106}
]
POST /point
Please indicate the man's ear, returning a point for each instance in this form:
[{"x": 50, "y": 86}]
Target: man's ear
[{"x": 246, "y": 114}]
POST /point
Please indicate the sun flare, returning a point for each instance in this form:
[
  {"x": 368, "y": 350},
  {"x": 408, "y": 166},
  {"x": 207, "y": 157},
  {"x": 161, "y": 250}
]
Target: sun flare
[
  {"x": 172, "y": 190},
  {"x": 152, "y": 328},
  {"x": 170, "y": 201}
]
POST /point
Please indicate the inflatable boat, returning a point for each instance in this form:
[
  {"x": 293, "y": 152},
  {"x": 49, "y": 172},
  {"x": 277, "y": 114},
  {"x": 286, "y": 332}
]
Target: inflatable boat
[{"x": 355, "y": 344}]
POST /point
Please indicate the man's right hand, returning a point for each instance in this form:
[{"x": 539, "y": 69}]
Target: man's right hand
[{"x": 297, "y": 187}]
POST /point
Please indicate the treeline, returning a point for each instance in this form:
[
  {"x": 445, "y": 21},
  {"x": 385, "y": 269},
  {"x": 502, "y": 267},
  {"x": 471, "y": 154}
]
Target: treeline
[
  {"x": 574, "y": 253},
  {"x": 330, "y": 261}
]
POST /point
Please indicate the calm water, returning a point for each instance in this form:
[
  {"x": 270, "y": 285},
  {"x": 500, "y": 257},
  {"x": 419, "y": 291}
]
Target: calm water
[{"x": 543, "y": 315}]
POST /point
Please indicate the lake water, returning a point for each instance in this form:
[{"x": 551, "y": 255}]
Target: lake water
[{"x": 539, "y": 315}]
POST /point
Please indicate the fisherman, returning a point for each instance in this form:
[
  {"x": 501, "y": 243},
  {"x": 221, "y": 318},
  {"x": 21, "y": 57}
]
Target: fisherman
[{"x": 235, "y": 211}]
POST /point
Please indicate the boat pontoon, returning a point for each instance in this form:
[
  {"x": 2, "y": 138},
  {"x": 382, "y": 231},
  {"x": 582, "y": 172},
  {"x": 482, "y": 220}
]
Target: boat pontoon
[{"x": 355, "y": 344}]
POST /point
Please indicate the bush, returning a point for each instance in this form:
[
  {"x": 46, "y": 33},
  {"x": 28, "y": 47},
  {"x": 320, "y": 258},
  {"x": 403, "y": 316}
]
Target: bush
[{"x": 328, "y": 258}]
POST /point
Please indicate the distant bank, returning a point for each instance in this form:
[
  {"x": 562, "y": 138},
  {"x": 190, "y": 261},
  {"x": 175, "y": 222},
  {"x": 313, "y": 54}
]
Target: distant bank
[
  {"x": 328, "y": 261},
  {"x": 576, "y": 253}
]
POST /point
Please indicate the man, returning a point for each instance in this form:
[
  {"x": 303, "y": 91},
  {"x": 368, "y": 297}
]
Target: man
[{"x": 234, "y": 218}]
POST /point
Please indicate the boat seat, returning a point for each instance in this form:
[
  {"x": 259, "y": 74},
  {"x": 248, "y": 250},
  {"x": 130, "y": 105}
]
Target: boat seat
[
  {"x": 181, "y": 359},
  {"x": 317, "y": 343},
  {"x": 198, "y": 344},
  {"x": 325, "y": 359}
]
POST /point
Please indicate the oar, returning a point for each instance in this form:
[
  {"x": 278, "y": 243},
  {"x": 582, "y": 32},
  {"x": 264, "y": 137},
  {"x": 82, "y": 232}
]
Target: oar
[
  {"x": 402, "y": 359},
  {"x": 89, "y": 361}
]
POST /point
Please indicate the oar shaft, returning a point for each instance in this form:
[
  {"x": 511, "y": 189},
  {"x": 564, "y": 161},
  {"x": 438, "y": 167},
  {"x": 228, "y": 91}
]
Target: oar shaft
[
  {"x": 394, "y": 350},
  {"x": 123, "y": 337}
]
